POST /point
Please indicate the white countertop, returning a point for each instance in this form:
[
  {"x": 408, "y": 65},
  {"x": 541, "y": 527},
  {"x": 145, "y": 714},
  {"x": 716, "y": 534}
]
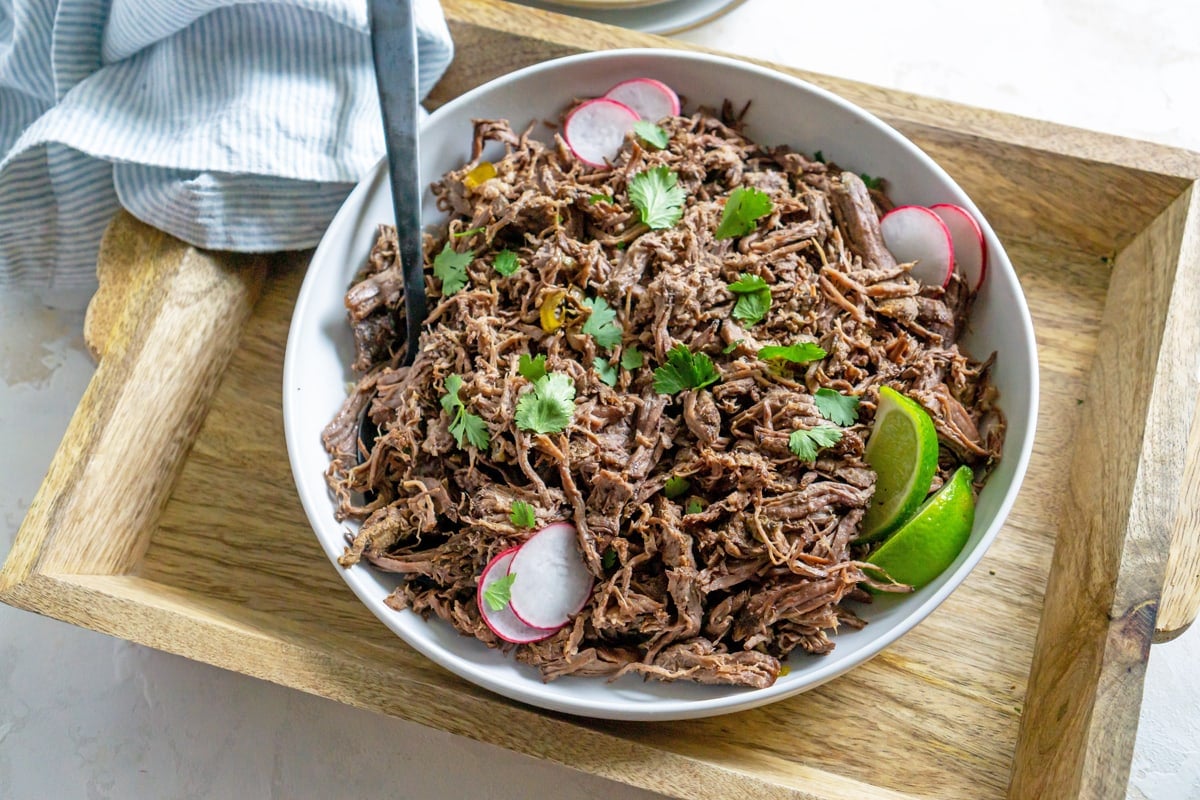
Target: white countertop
[{"x": 86, "y": 716}]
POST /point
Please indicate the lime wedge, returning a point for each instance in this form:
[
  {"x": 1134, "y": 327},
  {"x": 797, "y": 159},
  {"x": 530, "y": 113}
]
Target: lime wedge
[
  {"x": 930, "y": 541},
  {"x": 903, "y": 451}
]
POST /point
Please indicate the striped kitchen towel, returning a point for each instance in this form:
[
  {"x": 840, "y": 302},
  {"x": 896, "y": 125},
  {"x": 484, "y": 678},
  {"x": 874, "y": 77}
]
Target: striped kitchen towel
[{"x": 232, "y": 125}]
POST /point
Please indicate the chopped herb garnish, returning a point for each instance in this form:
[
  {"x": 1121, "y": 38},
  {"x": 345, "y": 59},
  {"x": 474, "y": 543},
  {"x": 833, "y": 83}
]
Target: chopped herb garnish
[
  {"x": 804, "y": 444},
  {"x": 531, "y": 368},
  {"x": 506, "y": 263},
  {"x": 819, "y": 156},
  {"x": 463, "y": 424},
  {"x": 522, "y": 514},
  {"x": 469, "y": 232},
  {"x": 676, "y": 486},
  {"x": 694, "y": 506},
  {"x": 598, "y": 197},
  {"x": 872, "y": 183},
  {"x": 838, "y": 408},
  {"x": 600, "y": 324},
  {"x": 548, "y": 406},
  {"x": 748, "y": 284},
  {"x": 472, "y": 427},
  {"x": 743, "y": 209},
  {"x": 685, "y": 370},
  {"x": 651, "y": 134},
  {"x": 450, "y": 400},
  {"x": 658, "y": 197},
  {"x": 499, "y": 592},
  {"x": 801, "y": 353},
  {"x": 753, "y": 298},
  {"x": 632, "y": 359},
  {"x": 609, "y": 559},
  {"x": 734, "y": 345},
  {"x": 607, "y": 372},
  {"x": 751, "y": 307},
  {"x": 451, "y": 268}
]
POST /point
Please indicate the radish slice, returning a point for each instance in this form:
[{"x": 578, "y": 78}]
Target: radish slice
[
  {"x": 650, "y": 99},
  {"x": 504, "y": 623},
  {"x": 914, "y": 233},
  {"x": 596, "y": 129},
  {"x": 970, "y": 252},
  {"x": 552, "y": 581}
]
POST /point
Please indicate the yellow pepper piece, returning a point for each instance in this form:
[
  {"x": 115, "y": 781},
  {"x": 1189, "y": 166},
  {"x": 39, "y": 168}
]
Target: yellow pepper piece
[
  {"x": 554, "y": 311},
  {"x": 484, "y": 172}
]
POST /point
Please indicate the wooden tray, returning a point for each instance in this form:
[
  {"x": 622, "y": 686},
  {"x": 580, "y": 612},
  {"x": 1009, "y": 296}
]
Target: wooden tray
[{"x": 169, "y": 517}]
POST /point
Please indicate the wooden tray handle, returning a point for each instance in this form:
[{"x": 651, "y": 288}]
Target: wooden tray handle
[
  {"x": 165, "y": 320},
  {"x": 1180, "y": 600}
]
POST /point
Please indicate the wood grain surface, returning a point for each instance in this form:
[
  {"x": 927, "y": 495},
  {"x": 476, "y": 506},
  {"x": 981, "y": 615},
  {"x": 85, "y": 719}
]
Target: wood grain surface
[
  {"x": 1130, "y": 450},
  {"x": 209, "y": 554},
  {"x": 172, "y": 338}
]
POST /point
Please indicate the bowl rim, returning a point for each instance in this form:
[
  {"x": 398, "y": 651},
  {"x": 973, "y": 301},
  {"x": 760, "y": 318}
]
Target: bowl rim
[{"x": 738, "y": 698}]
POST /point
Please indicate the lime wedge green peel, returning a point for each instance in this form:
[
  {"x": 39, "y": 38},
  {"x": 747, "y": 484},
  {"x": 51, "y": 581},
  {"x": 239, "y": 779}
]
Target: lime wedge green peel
[
  {"x": 903, "y": 451},
  {"x": 930, "y": 541}
]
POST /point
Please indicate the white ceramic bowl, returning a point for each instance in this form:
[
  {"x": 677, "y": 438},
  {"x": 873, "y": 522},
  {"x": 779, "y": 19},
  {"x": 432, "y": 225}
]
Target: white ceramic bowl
[{"x": 784, "y": 111}]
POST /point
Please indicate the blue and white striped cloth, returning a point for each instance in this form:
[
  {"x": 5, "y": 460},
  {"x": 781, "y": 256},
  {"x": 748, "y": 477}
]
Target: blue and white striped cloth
[{"x": 231, "y": 124}]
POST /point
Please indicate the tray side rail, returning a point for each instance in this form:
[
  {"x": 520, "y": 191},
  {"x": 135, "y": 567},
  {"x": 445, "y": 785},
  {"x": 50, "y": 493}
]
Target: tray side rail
[
  {"x": 1127, "y": 477},
  {"x": 167, "y": 348}
]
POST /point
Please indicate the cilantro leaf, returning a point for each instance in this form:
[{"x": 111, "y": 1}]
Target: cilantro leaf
[
  {"x": 819, "y": 156},
  {"x": 651, "y": 134},
  {"x": 751, "y": 308},
  {"x": 658, "y": 197},
  {"x": 838, "y": 408},
  {"x": 872, "y": 183},
  {"x": 801, "y": 353},
  {"x": 753, "y": 298},
  {"x": 632, "y": 358},
  {"x": 609, "y": 559},
  {"x": 675, "y": 486},
  {"x": 451, "y": 267},
  {"x": 694, "y": 506},
  {"x": 499, "y": 592},
  {"x": 522, "y": 515},
  {"x": 599, "y": 198},
  {"x": 600, "y": 323},
  {"x": 506, "y": 263},
  {"x": 748, "y": 284},
  {"x": 745, "y": 206},
  {"x": 472, "y": 427},
  {"x": 685, "y": 370},
  {"x": 804, "y": 444},
  {"x": 548, "y": 406},
  {"x": 469, "y": 232},
  {"x": 606, "y": 371},
  {"x": 531, "y": 368},
  {"x": 463, "y": 424},
  {"x": 734, "y": 345},
  {"x": 450, "y": 401}
]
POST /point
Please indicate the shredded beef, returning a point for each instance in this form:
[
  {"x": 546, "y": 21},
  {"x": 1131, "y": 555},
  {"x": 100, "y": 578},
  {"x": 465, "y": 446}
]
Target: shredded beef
[{"x": 756, "y": 558}]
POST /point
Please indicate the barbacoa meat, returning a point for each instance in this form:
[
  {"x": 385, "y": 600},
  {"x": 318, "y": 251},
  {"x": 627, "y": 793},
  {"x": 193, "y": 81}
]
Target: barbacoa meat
[{"x": 757, "y": 558}]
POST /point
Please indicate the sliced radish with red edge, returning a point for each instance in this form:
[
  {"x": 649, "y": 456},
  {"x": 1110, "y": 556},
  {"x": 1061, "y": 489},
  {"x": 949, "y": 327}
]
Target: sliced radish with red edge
[
  {"x": 552, "y": 580},
  {"x": 914, "y": 233},
  {"x": 596, "y": 129},
  {"x": 970, "y": 250},
  {"x": 504, "y": 623},
  {"x": 650, "y": 99}
]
